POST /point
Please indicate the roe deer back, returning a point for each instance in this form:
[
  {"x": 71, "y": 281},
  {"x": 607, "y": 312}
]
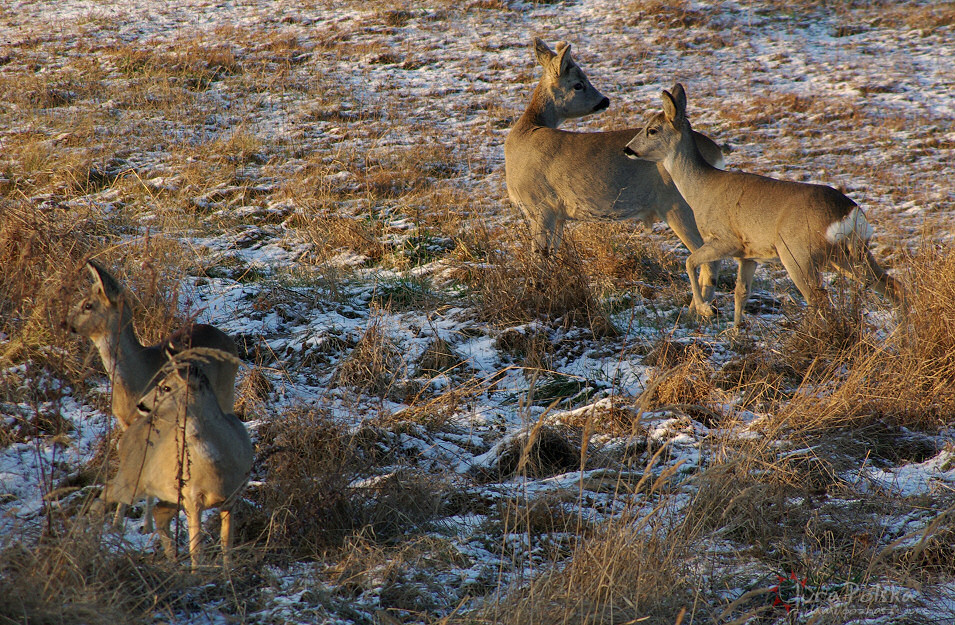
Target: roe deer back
[
  {"x": 555, "y": 175},
  {"x": 183, "y": 450},
  {"x": 808, "y": 227}
]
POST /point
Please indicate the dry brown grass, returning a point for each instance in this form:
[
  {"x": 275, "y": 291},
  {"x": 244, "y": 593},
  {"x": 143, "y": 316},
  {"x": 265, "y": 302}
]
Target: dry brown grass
[
  {"x": 924, "y": 17},
  {"x": 682, "y": 377},
  {"x": 543, "y": 451},
  {"x": 517, "y": 285},
  {"x": 814, "y": 338},
  {"x": 309, "y": 501},
  {"x": 252, "y": 393},
  {"x": 635, "y": 567},
  {"x": 761, "y": 380},
  {"x": 72, "y": 577},
  {"x": 624, "y": 257},
  {"x": 439, "y": 357},
  {"x": 335, "y": 234},
  {"x": 906, "y": 378},
  {"x": 347, "y": 201},
  {"x": 35, "y": 298}
]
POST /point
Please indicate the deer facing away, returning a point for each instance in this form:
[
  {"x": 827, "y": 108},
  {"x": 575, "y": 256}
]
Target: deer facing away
[
  {"x": 185, "y": 451},
  {"x": 749, "y": 217},
  {"x": 554, "y": 175},
  {"x": 105, "y": 317}
]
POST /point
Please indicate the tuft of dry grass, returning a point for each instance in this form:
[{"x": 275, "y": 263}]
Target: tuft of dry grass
[
  {"x": 517, "y": 285},
  {"x": 624, "y": 257},
  {"x": 543, "y": 451},
  {"x": 761, "y": 380},
  {"x": 34, "y": 299},
  {"x": 73, "y": 577},
  {"x": 668, "y": 14},
  {"x": 374, "y": 365},
  {"x": 682, "y": 380},
  {"x": 334, "y": 234},
  {"x": 632, "y": 568},
  {"x": 439, "y": 357},
  {"x": 252, "y": 393},
  {"x": 924, "y": 17}
]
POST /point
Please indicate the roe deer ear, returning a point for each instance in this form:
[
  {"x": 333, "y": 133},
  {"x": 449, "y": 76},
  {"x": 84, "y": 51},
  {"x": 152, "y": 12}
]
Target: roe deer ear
[
  {"x": 679, "y": 96},
  {"x": 104, "y": 282},
  {"x": 671, "y": 109},
  {"x": 563, "y": 61},
  {"x": 543, "y": 53}
]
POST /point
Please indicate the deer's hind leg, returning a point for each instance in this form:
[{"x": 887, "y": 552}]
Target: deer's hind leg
[
  {"x": 803, "y": 269},
  {"x": 744, "y": 286},
  {"x": 545, "y": 229}
]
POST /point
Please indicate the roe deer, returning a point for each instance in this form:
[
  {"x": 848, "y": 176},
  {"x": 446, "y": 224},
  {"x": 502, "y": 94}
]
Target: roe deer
[
  {"x": 185, "y": 451},
  {"x": 105, "y": 317},
  {"x": 751, "y": 217},
  {"x": 554, "y": 175}
]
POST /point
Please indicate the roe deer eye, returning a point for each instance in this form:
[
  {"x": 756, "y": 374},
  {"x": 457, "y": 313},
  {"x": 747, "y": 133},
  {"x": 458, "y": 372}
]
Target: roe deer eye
[
  {"x": 166, "y": 388},
  {"x": 88, "y": 306},
  {"x": 651, "y": 132},
  {"x": 578, "y": 86}
]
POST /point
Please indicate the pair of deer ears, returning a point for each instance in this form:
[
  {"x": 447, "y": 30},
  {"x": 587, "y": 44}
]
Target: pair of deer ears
[
  {"x": 103, "y": 282},
  {"x": 557, "y": 62}
]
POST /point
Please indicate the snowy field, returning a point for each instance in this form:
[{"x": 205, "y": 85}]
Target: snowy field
[{"x": 324, "y": 181}]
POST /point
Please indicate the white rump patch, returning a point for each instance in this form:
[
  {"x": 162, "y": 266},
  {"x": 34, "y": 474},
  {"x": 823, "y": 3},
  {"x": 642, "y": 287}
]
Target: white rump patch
[{"x": 853, "y": 223}]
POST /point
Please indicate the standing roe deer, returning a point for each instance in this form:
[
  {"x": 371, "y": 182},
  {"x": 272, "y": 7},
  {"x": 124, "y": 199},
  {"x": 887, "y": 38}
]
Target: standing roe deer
[
  {"x": 185, "y": 451},
  {"x": 554, "y": 175},
  {"x": 105, "y": 317},
  {"x": 751, "y": 217}
]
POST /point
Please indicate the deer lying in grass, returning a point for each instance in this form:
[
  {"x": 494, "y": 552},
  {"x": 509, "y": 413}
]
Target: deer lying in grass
[
  {"x": 185, "y": 451},
  {"x": 750, "y": 217},
  {"x": 105, "y": 317},
  {"x": 555, "y": 175}
]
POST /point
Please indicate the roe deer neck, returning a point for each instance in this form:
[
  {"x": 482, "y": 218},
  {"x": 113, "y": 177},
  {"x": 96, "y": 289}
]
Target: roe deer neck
[
  {"x": 687, "y": 167},
  {"x": 127, "y": 364},
  {"x": 542, "y": 111}
]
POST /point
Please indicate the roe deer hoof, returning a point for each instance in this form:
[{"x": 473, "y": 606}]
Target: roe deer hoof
[
  {"x": 704, "y": 311},
  {"x": 733, "y": 333}
]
